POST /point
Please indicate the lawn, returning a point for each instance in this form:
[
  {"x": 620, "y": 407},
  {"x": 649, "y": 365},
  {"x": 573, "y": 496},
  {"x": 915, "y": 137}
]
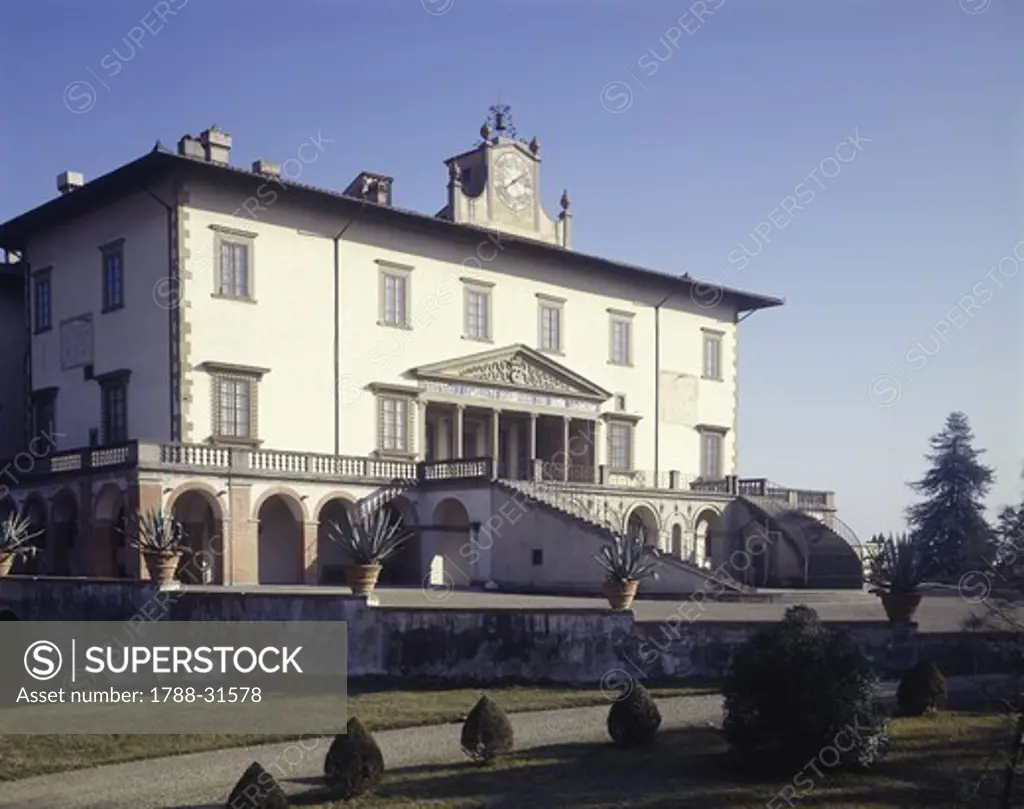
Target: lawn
[
  {"x": 380, "y": 708},
  {"x": 937, "y": 761}
]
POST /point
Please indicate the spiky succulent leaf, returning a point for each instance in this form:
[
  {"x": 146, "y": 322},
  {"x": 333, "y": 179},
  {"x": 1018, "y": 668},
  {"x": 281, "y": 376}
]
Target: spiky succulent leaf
[
  {"x": 627, "y": 558},
  {"x": 898, "y": 565},
  {"x": 16, "y": 535},
  {"x": 368, "y": 538},
  {"x": 158, "y": 532}
]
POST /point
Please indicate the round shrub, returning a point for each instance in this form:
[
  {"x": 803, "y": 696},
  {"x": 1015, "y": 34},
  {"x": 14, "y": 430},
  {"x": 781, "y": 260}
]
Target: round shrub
[
  {"x": 921, "y": 689},
  {"x": 634, "y": 719},
  {"x": 257, "y": 789},
  {"x": 798, "y": 687},
  {"x": 354, "y": 762},
  {"x": 487, "y": 732}
]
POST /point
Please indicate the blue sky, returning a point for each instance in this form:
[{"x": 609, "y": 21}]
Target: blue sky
[{"x": 677, "y": 132}]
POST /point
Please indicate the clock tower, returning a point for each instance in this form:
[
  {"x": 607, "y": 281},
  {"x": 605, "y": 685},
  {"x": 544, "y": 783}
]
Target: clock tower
[{"x": 496, "y": 185}]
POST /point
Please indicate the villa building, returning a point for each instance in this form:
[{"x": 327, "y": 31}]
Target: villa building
[{"x": 252, "y": 355}]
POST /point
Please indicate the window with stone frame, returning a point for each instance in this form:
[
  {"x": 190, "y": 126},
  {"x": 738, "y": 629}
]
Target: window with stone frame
[
  {"x": 712, "y": 444},
  {"x": 44, "y": 412},
  {"x": 112, "y": 256},
  {"x": 42, "y": 301},
  {"x": 477, "y": 303},
  {"x": 234, "y": 271},
  {"x": 620, "y": 333},
  {"x": 551, "y": 316},
  {"x": 394, "y": 295},
  {"x": 114, "y": 407},
  {"x": 620, "y": 446},
  {"x": 394, "y": 424},
  {"x": 712, "y": 355}
]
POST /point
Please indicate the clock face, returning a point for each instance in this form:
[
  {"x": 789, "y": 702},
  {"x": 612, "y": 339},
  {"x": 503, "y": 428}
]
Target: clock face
[{"x": 513, "y": 181}]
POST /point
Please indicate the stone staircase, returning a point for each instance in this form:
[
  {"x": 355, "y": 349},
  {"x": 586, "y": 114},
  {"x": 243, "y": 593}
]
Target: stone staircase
[
  {"x": 384, "y": 495},
  {"x": 830, "y": 553},
  {"x": 564, "y": 503}
]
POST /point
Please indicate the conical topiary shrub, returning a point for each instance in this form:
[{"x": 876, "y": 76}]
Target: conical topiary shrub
[
  {"x": 257, "y": 789},
  {"x": 921, "y": 689},
  {"x": 634, "y": 719},
  {"x": 354, "y": 762},
  {"x": 487, "y": 732}
]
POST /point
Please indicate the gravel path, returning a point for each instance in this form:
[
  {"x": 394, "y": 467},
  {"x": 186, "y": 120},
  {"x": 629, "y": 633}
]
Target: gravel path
[{"x": 204, "y": 780}]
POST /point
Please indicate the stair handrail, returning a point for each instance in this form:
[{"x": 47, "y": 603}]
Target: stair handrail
[{"x": 557, "y": 497}]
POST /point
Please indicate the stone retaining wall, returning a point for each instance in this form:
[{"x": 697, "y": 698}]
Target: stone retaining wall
[{"x": 493, "y": 645}]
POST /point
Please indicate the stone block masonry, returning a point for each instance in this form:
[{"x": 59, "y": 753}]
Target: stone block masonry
[{"x": 506, "y": 645}]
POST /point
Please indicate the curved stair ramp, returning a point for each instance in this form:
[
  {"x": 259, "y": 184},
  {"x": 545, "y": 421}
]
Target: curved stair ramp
[
  {"x": 564, "y": 503},
  {"x": 828, "y": 552}
]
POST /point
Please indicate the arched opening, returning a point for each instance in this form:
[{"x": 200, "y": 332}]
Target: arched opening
[
  {"x": 7, "y": 615},
  {"x": 643, "y": 523},
  {"x": 448, "y": 567},
  {"x": 200, "y": 516},
  {"x": 64, "y": 559},
  {"x": 709, "y": 538},
  {"x": 279, "y": 543},
  {"x": 677, "y": 541},
  {"x": 108, "y": 555},
  {"x": 34, "y": 511},
  {"x": 404, "y": 568},
  {"x": 330, "y": 558}
]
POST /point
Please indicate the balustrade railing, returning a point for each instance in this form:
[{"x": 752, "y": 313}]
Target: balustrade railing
[{"x": 246, "y": 460}]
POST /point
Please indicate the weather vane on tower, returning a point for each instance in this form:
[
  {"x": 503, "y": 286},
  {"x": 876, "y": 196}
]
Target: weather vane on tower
[{"x": 499, "y": 121}]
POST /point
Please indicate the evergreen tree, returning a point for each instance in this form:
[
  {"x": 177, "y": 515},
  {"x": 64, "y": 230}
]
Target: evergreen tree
[
  {"x": 950, "y": 523},
  {"x": 1010, "y": 534}
]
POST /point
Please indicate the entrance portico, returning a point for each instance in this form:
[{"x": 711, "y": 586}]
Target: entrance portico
[{"x": 533, "y": 417}]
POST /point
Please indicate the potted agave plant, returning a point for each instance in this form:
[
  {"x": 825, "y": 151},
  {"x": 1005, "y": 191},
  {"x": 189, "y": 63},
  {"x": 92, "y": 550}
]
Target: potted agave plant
[
  {"x": 163, "y": 541},
  {"x": 15, "y": 538},
  {"x": 627, "y": 560},
  {"x": 368, "y": 539},
  {"x": 897, "y": 571}
]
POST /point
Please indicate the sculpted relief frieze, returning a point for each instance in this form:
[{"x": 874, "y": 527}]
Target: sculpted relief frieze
[{"x": 516, "y": 371}]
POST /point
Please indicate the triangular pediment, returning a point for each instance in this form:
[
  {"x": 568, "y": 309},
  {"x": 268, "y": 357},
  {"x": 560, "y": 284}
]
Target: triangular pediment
[{"x": 517, "y": 366}]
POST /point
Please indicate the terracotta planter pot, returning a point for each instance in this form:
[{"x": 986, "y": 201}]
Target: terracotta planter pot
[
  {"x": 900, "y": 607},
  {"x": 162, "y": 565},
  {"x": 6, "y": 563},
  {"x": 362, "y": 578},
  {"x": 620, "y": 594}
]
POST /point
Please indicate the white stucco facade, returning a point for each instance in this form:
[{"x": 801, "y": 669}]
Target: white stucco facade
[{"x": 248, "y": 354}]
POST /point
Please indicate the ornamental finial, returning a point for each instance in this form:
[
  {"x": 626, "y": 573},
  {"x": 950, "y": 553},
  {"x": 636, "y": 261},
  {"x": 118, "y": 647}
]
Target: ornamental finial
[{"x": 565, "y": 201}]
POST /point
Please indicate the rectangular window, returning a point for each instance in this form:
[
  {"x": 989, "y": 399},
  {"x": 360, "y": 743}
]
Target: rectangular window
[
  {"x": 114, "y": 407},
  {"x": 234, "y": 407},
  {"x": 394, "y": 424},
  {"x": 537, "y": 557},
  {"x": 712, "y": 355},
  {"x": 234, "y": 270},
  {"x": 711, "y": 456},
  {"x": 550, "y": 327},
  {"x": 621, "y": 348},
  {"x": 113, "y": 276},
  {"x": 394, "y": 294},
  {"x": 478, "y": 311},
  {"x": 44, "y": 413},
  {"x": 620, "y": 446},
  {"x": 42, "y": 302}
]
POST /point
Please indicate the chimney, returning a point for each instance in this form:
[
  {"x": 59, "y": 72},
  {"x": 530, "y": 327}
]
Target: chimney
[
  {"x": 216, "y": 145},
  {"x": 266, "y": 168},
  {"x": 68, "y": 181},
  {"x": 371, "y": 187},
  {"x": 189, "y": 146}
]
